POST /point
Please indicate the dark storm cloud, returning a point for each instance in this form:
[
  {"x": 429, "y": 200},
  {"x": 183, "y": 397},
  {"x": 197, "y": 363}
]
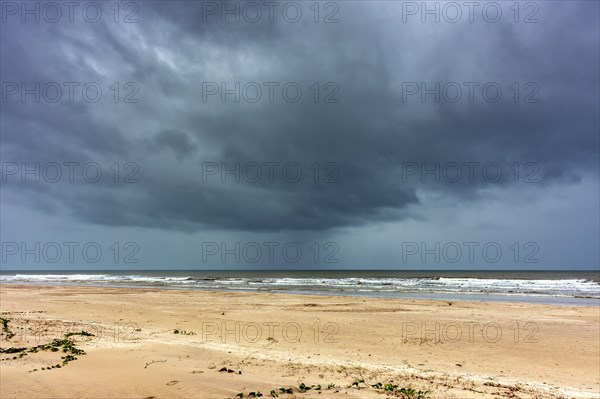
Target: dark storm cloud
[
  {"x": 368, "y": 135},
  {"x": 180, "y": 142}
]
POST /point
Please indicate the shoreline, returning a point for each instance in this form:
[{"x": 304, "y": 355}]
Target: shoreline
[
  {"x": 464, "y": 297},
  {"x": 545, "y": 351}
]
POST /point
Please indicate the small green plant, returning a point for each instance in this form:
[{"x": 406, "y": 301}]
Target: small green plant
[
  {"x": 411, "y": 393},
  {"x": 274, "y": 394},
  {"x": 67, "y": 347},
  {"x": 303, "y": 387},
  {"x": 83, "y": 333},
  {"x": 390, "y": 387},
  {"x": 357, "y": 383},
  {"x": 12, "y": 350},
  {"x": 65, "y": 344},
  {"x": 67, "y": 359},
  {"x": 5, "y": 328},
  {"x": 183, "y": 332},
  {"x": 401, "y": 392}
]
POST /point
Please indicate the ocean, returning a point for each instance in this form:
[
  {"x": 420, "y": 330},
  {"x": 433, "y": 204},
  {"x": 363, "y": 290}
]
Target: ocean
[{"x": 558, "y": 287}]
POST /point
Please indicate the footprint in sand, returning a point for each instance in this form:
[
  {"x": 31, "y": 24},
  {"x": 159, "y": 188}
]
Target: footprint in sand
[{"x": 173, "y": 382}]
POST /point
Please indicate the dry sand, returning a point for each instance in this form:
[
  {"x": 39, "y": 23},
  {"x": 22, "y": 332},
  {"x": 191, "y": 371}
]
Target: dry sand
[{"x": 452, "y": 350}]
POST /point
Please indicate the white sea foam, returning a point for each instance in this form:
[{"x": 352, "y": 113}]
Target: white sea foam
[{"x": 386, "y": 285}]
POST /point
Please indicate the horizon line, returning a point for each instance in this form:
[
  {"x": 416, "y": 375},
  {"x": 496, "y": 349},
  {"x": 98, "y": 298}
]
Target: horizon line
[{"x": 309, "y": 270}]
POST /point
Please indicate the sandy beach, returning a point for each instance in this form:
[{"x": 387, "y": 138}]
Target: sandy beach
[{"x": 197, "y": 344}]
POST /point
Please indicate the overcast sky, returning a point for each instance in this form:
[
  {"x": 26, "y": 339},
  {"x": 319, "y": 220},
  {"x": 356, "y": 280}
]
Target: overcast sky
[{"x": 342, "y": 135}]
